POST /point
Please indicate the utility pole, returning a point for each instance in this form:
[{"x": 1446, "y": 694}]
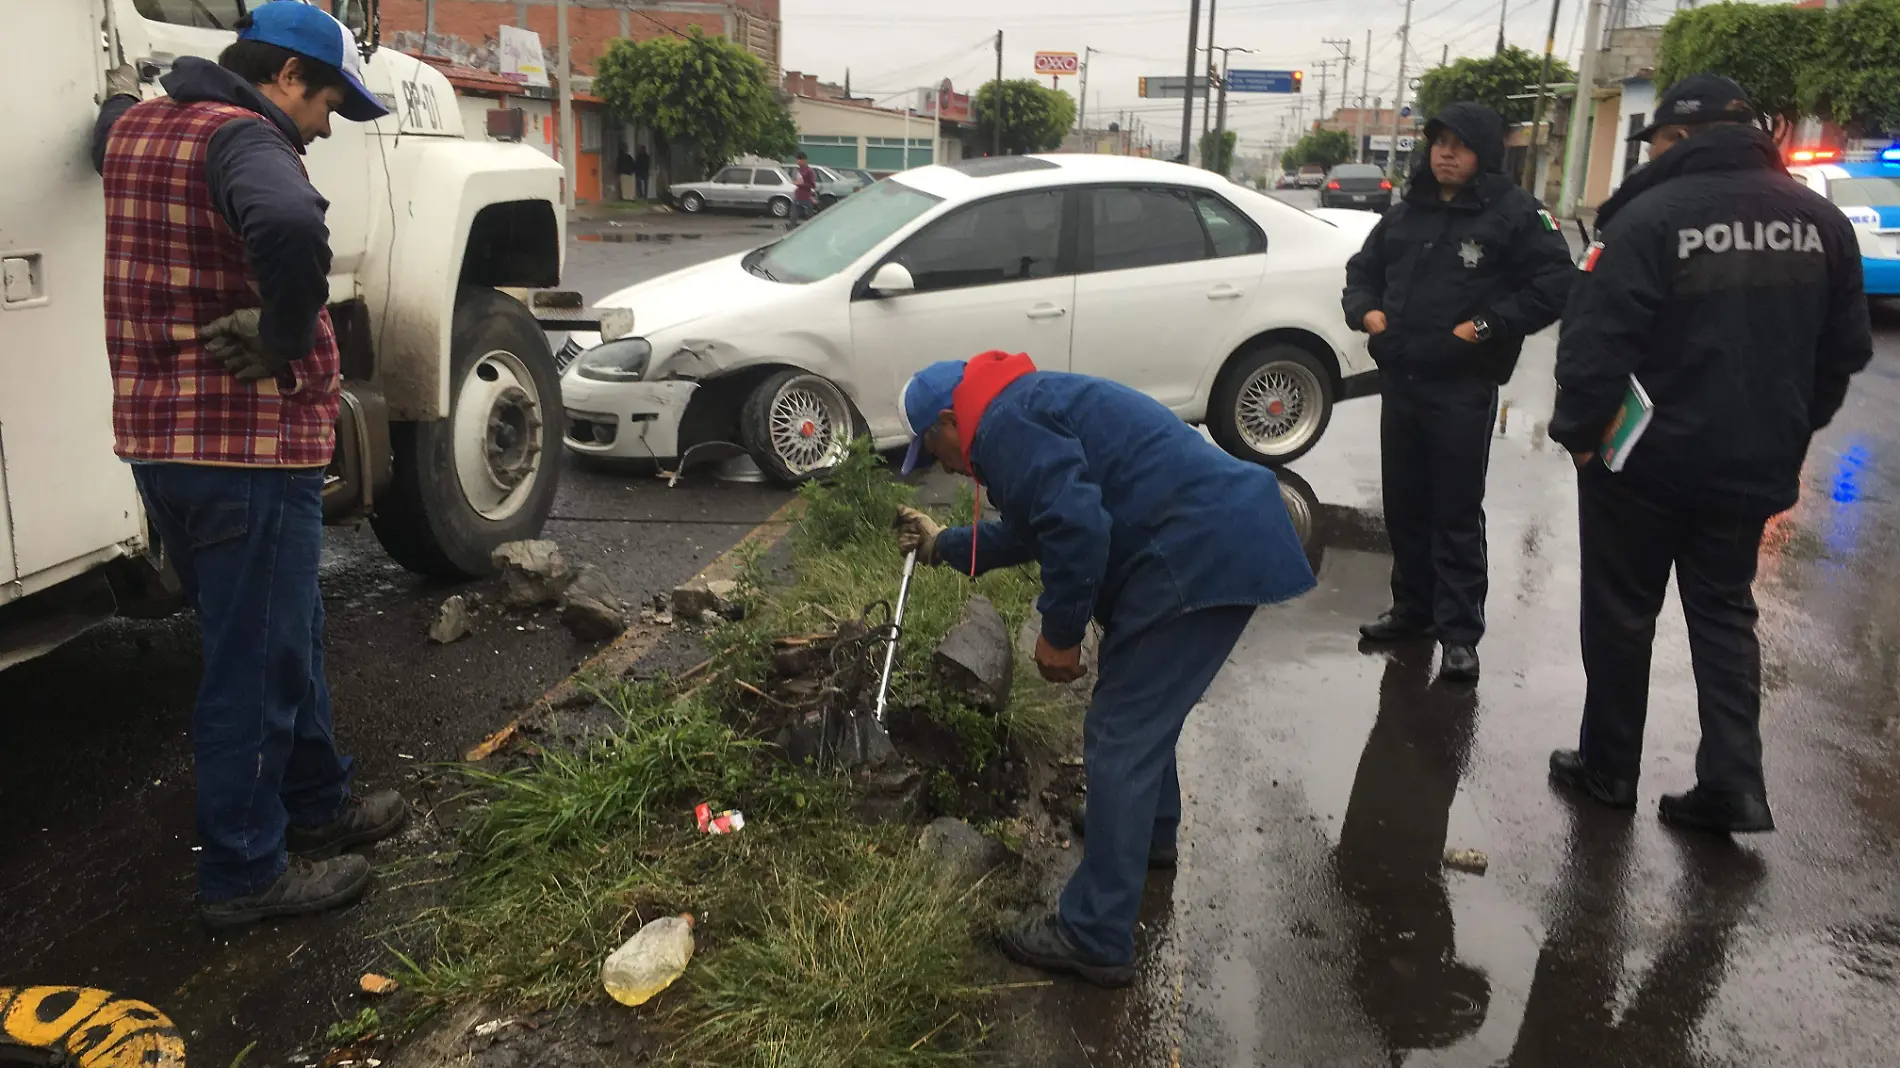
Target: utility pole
[
  {"x": 1444, "y": 56},
  {"x": 1220, "y": 125},
  {"x": 1359, "y": 128},
  {"x": 1575, "y": 152},
  {"x": 1344, "y": 48},
  {"x": 1207, "y": 92},
  {"x": 1537, "y": 112},
  {"x": 1187, "y": 104},
  {"x": 1503, "y": 6},
  {"x": 567, "y": 103},
  {"x": 1398, "y": 102},
  {"x": 428, "y": 27},
  {"x": 1324, "y": 65},
  {"x": 996, "y": 129},
  {"x": 1082, "y": 122}
]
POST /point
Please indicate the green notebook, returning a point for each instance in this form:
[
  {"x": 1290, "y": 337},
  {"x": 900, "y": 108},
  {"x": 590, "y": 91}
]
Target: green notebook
[{"x": 1632, "y": 418}]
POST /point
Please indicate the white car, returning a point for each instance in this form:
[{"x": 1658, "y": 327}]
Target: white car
[
  {"x": 1219, "y": 302},
  {"x": 1868, "y": 193}
]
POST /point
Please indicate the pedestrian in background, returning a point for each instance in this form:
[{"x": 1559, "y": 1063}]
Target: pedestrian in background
[
  {"x": 1140, "y": 524},
  {"x": 1730, "y": 295},
  {"x": 805, "y": 198},
  {"x": 642, "y": 169},
  {"x": 625, "y": 166},
  {"x": 1448, "y": 285},
  {"x": 226, "y": 389}
]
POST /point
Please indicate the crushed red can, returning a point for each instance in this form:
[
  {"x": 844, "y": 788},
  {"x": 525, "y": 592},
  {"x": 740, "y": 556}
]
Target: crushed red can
[{"x": 711, "y": 822}]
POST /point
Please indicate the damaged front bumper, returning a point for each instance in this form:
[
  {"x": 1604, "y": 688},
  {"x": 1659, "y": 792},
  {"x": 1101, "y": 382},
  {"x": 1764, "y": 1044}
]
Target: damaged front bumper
[{"x": 625, "y": 420}]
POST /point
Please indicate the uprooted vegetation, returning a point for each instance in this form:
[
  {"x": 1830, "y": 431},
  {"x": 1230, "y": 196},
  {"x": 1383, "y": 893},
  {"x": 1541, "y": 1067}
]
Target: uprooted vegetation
[{"x": 823, "y": 937}]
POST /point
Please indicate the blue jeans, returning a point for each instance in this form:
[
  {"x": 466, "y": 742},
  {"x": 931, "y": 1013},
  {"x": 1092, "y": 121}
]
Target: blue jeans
[
  {"x": 245, "y": 543},
  {"x": 1149, "y": 681}
]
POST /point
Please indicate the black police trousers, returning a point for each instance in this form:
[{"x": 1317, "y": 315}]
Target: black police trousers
[
  {"x": 1435, "y": 450},
  {"x": 1629, "y": 542}
]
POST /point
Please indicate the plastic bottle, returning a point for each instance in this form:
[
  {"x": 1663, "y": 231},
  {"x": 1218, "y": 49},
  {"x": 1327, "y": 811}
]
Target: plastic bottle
[{"x": 650, "y": 961}]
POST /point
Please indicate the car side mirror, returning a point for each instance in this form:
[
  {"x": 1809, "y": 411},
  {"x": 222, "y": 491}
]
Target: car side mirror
[{"x": 891, "y": 280}]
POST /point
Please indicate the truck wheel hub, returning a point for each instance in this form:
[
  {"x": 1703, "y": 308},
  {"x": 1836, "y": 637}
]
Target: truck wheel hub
[{"x": 498, "y": 425}]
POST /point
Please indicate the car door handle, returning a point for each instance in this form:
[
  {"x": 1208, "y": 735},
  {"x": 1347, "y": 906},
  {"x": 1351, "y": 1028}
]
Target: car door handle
[
  {"x": 1047, "y": 311},
  {"x": 1223, "y": 292}
]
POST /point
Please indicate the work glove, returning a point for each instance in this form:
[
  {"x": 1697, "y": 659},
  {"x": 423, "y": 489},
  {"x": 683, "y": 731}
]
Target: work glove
[
  {"x": 916, "y": 532},
  {"x": 122, "y": 80},
  {"x": 234, "y": 342}
]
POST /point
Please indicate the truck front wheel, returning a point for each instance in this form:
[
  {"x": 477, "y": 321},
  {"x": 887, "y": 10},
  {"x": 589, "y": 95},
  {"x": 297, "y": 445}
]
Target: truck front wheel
[{"x": 487, "y": 473}]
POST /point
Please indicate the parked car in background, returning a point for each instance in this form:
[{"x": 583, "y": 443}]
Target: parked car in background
[
  {"x": 1312, "y": 176},
  {"x": 1356, "y": 185},
  {"x": 1868, "y": 193},
  {"x": 1287, "y": 181},
  {"x": 741, "y": 187},
  {"x": 1216, "y": 300},
  {"x": 865, "y": 179},
  {"x": 832, "y": 186}
]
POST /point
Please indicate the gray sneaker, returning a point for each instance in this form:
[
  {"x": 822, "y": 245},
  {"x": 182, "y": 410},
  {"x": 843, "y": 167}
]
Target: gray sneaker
[
  {"x": 364, "y": 820},
  {"x": 306, "y": 887}
]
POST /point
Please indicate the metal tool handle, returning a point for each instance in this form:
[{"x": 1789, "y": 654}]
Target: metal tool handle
[{"x": 897, "y": 629}]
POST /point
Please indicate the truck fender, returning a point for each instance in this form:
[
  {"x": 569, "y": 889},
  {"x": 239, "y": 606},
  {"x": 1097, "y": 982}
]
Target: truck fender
[{"x": 464, "y": 213}]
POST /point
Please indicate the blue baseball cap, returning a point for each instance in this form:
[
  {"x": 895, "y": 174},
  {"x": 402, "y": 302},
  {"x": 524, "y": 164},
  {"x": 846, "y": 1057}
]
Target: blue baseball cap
[
  {"x": 313, "y": 34},
  {"x": 928, "y": 393}
]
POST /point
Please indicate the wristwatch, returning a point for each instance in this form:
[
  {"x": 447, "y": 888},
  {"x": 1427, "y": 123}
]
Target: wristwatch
[{"x": 1482, "y": 327}]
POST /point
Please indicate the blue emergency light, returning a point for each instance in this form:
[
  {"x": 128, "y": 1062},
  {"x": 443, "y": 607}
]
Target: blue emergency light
[{"x": 1890, "y": 154}]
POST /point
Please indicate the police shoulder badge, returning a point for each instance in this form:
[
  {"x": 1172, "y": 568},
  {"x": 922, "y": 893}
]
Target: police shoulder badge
[
  {"x": 1589, "y": 261},
  {"x": 1470, "y": 253},
  {"x": 1550, "y": 223}
]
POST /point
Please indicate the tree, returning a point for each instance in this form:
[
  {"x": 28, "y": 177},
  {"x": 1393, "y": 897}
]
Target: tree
[
  {"x": 1854, "y": 77},
  {"x": 1034, "y": 118},
  {"x": 1491, "y": 81},
  {"x": 1765, "y": 48},
  {"x": 1217, "y": 155},
  {"x": 698, "y": 90},
  {"x": 1328, "y": 148}
]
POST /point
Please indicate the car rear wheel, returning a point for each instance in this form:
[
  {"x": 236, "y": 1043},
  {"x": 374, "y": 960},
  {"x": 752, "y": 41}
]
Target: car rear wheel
[
  {"x": 797, "y": 426},
  {"x": 1271, "y": 404},
  {"x": 779, "y": 207},
  {"x": 692, "y": 203}
]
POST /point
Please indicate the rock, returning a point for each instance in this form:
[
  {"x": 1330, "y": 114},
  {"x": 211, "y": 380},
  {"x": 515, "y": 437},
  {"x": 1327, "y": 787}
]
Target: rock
[
  {"x": 451, "y": 621},
  {"x": 973, "y": 662},
  {"x": 532, "y": 573},
  {"x": 1467, "y": 860},
  {"x": 593, "y": 611},
  {"x": 961, "y": 852},
  {"x": 694, "y": 599}
]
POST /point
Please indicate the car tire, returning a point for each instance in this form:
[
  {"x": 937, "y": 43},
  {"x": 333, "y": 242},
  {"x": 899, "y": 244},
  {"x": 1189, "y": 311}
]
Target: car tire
[
  {"x": 797, "y": 426},
  {"x": 692, "y": 203},
  {"x": 1271, "y": 404},
  {"x": 779, "y": 208},
  {"x": 485, "y": 474}
]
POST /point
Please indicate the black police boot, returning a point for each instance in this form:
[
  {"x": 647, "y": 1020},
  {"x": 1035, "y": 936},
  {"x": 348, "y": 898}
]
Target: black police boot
[
  {"x": 1720, "y": 811},
  {"x": 1392, "y": 627},
  {"x": 1460, "y": 663},
  {"x": 1038, "y": 942},
  {"x": 1160, "y": 858},
  {"x": 364, "y": 820},
  {"x": 305, "y": 888},
  {"x": 1568, "y": 769}
]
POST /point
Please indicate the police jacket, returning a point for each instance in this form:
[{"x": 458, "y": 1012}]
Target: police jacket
[
  {"x": 1733, "y": 294},
  {"x": 1490, "y": 252},
  {"x": 1134, "y": 517}
]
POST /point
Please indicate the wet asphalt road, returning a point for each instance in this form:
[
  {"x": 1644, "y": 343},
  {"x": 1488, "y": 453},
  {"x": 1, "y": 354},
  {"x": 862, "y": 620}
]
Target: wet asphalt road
[{"x": 1310, "y": 922}]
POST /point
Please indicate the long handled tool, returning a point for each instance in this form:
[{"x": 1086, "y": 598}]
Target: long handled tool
[
  {"x": 866, "y": 741},
  {"x": 897, "y": 631}
]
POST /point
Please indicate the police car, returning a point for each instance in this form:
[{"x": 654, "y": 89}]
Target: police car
[{"x": 1868, "y": 193}]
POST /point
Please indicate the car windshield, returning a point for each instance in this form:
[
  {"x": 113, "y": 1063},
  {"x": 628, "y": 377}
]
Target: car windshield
[
  {"x": 1874, "y": 192},
  {"x": 839, "y": 236}
]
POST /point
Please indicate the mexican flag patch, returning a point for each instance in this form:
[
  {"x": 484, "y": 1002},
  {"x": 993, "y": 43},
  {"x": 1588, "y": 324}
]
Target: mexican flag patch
[
  {"x": 1549, "y": 222},
  {"x": 1589, "y": 261}
]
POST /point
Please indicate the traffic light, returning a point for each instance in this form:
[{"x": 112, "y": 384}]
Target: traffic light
[{"x": 1299, "y": 80}]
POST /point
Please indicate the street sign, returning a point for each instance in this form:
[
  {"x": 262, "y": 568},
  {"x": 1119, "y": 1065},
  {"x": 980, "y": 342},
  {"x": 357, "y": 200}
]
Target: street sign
[
  {"x": 1170, "y": 86},
  {"x": 1057, "y": 64},
  {"x": 1383, "y": 142},
  {"x": 1265, "y": 81}
]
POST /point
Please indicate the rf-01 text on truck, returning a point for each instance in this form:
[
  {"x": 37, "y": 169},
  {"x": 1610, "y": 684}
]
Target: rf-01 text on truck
[{"x": 451, "y": 417}]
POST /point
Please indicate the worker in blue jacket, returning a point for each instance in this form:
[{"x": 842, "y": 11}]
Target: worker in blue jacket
[{"x": 1141, "y": 524}]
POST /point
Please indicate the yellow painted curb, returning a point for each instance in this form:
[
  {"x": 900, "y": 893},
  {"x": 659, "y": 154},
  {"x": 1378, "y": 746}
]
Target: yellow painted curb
[{"x": 96, "y": 1028}]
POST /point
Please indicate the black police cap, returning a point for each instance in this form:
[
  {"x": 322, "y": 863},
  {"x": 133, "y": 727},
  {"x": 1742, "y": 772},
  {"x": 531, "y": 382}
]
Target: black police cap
[{"x": 1699, "y": 98}]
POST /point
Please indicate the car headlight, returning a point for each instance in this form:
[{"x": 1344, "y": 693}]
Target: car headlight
[{"x": 624, "y": 360}]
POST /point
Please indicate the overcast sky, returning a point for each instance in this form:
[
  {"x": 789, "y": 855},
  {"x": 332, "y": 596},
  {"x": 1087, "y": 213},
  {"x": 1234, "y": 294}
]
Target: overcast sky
[{"x": 889, "y": 53}]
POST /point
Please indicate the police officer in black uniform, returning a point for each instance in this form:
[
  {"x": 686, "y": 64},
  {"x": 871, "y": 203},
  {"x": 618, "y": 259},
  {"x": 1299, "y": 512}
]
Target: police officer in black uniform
[
  {"x": 1449, "y": 284},
  {"x": 1732, "y": 295}
]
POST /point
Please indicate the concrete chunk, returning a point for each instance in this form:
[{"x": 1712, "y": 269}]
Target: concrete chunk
[
  {"x": 532, "y": 573},
  {"x": 451, "y": 621},
  {"x": 973, "y": 662},
  {"x": 593, "y": 611}
]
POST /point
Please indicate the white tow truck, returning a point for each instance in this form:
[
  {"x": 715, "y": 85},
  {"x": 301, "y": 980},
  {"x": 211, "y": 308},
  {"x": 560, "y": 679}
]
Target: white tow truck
[{"x": 449, "y": 439}]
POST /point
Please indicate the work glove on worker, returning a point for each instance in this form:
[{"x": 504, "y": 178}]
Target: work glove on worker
[
  {"x": 916, "y": 532},
  {"x": 234, "y": 342},
  {"x": 122, "y": 80}
]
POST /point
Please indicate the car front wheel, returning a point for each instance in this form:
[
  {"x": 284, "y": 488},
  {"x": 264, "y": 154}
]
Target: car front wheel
[
  {"x": 1271, "y": 404},
  {"x": 692, "y": 203},
  {"x": 779, "y": 208},
  {"x": 797, "y": 426}
]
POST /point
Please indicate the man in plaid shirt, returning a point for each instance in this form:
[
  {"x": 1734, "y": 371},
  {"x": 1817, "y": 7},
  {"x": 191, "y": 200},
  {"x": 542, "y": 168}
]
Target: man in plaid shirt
[{"x": 226, "y": 387}]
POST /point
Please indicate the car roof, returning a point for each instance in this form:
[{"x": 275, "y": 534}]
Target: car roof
[
  {"x": 1872, "y": 168},
  {"x": 1002, "y": 174}
]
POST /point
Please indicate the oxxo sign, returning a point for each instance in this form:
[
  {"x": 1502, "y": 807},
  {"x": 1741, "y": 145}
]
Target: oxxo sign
[{"x": 1057, "y": 64}]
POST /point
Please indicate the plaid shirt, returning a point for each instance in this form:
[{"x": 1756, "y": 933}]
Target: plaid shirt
[{"x": 173, "y": 264}]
